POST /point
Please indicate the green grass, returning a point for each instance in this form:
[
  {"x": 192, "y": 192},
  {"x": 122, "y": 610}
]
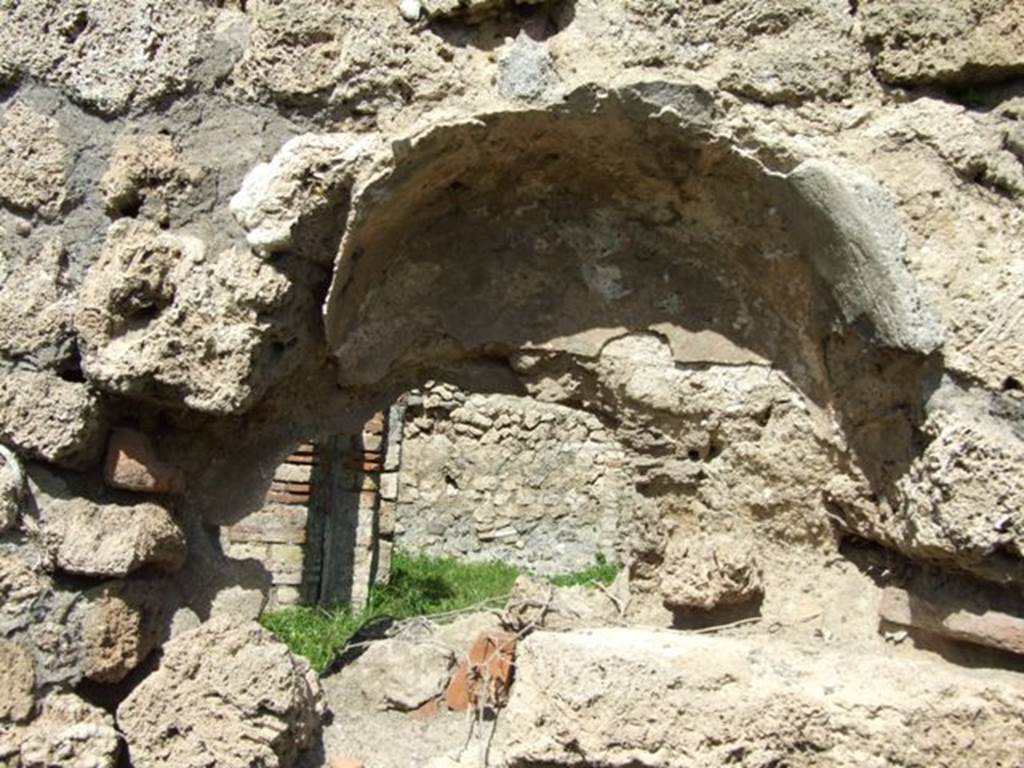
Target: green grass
[
  {"x": 601, "y": 572},
  {"x": 420, "y": 586},
  {"x": 316, "y": 633}
]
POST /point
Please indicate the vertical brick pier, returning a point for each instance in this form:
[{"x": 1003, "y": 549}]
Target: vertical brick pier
[{"x": 326, "y": 530}]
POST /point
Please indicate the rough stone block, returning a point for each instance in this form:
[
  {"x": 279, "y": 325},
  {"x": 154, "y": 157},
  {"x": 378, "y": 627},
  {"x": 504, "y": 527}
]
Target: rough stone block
[
  {"x": 17, "y": 681},
  {"x": 286, "y": 595},
  {"x": 111, "y": 539},
  {"x": 34, "y": 160},
  {"x": 233, "y": 691},
  {"x": 254, "y": 550},
  {"x": 285, "y": 557},
  {"x": 12, "y": 487},
  {"x": 709, "y": 571},
  {"x": 403, "y": 674},
  {"x": 386, "y": 518},
  {"x": 375, "y": 424},
  {"x": 124, "y": 621},
  {"x": 67, "y": 731},
  {"x": 706, "y": 699},
  {"x": 389, "y": 486},
  {"x": 914, "y": 42},
  {"x": 45, "y": 417},
  {"x": 385, "y": 552}
]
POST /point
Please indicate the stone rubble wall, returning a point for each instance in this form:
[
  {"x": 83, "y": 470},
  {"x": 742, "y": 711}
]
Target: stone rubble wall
[
  {"x": 506, "y": 478},
  {"x": 230, "y": 227}
]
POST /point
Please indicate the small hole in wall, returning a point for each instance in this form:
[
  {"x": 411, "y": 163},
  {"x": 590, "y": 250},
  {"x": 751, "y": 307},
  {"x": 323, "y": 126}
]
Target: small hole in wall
[
  {"x": 72, "y": 374},
  {"x": 714, "y": 449},
  {"x": 145, "y": 315},
  {"x": 128, "y": 205},
  {"x": 451, "y": 482},
  {"x": 74, "y": 25},
  {"x": 693, "y": 454},
  {"x": 764, "y": 417},
  {"x": 1012, "y": 384},
  {"x": 71, "y": 370}
]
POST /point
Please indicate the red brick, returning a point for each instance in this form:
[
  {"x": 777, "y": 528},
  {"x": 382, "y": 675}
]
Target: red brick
[
  {"x": 362, "y": 466},
  {"x": 427, "y": 711},
  {"x": 494, "y": 653},
  {"x": 457, "y": 696},
  {"x": 491, "y": 659},
  {"x": 132, "y": 464},
  {"x": 991, "y": 628},
  {"x": 358, "y": 456}
]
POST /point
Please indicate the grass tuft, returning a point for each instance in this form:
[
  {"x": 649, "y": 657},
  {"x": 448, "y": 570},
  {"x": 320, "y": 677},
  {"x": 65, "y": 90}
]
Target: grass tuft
[
  {"x": 601, "y": 572},
  {"x": 420, "y": 585},
  {"x": 313, "y": 632}
]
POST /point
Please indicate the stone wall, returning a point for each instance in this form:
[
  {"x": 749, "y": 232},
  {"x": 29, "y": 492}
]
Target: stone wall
[
  {"x": 503, "y": 477},
  {"x": 236, "y": 226}
]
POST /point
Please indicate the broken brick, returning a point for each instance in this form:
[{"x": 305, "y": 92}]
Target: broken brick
[
  {"x": 490, "y": 664},
  {"x": 989, "y": 628},
  {"x": 132, "y": 465}
]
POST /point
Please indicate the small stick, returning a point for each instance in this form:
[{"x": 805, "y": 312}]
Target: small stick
[
  {"x": 720, "y": 627},
  {"x": 620, "y": 606}
]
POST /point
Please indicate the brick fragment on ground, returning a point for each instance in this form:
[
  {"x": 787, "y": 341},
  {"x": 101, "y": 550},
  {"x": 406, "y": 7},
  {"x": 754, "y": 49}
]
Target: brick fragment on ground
[{"x": 489, "y": 668}]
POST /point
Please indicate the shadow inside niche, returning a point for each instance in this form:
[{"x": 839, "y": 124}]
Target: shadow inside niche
[
  {"x": 538, "y": 21},
  {"x": 688, "y": 618}
]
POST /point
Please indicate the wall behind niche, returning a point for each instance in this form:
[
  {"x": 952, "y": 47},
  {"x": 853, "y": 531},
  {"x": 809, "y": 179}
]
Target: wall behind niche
[{"x": 503, "y": 477}]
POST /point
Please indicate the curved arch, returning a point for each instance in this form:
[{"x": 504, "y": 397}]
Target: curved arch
[{"x": 543, "y": 237}]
